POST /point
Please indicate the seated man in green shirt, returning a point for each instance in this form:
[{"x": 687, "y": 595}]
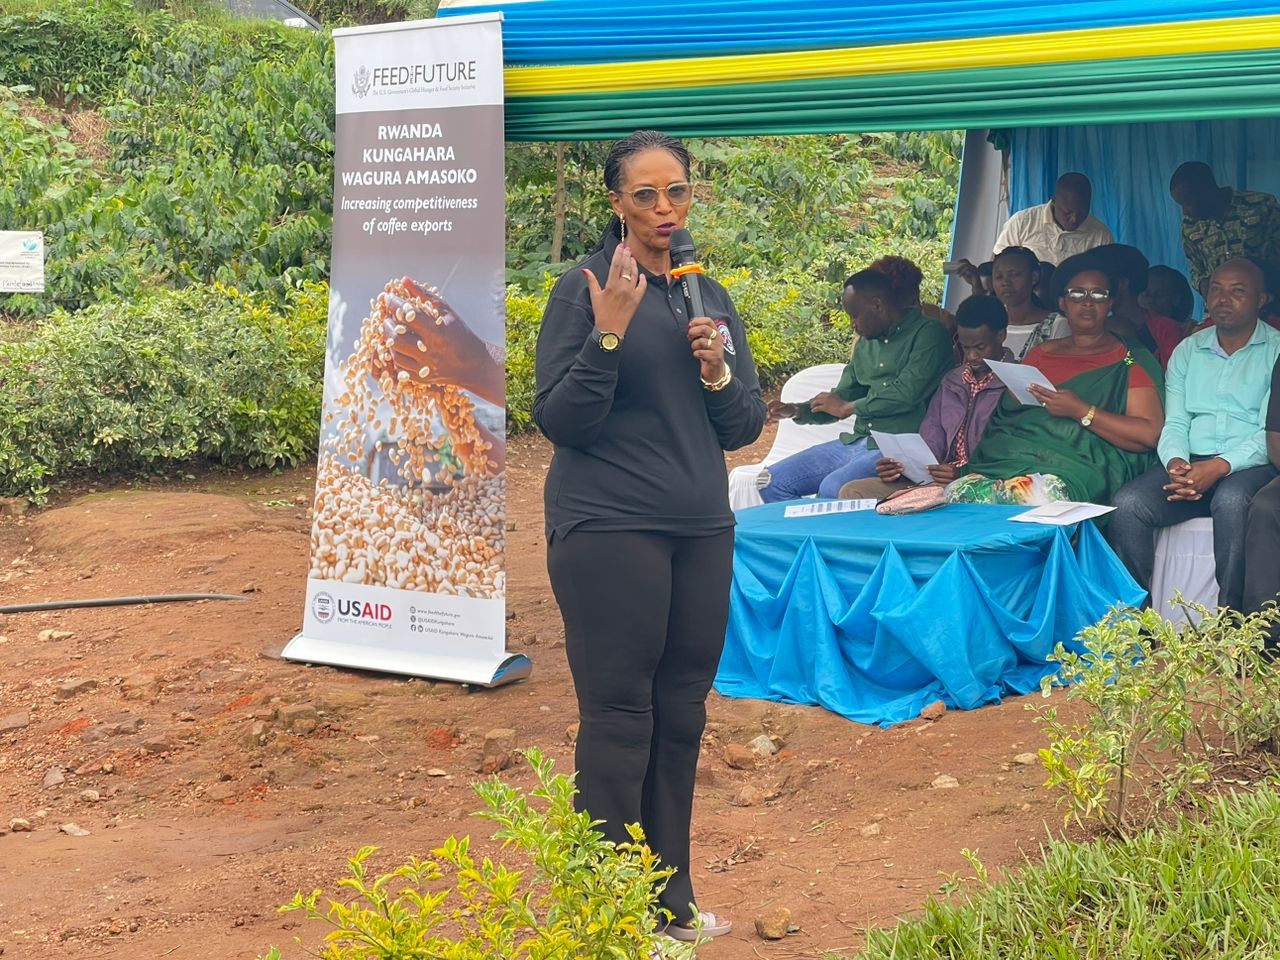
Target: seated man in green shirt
[
  {"x": 1219, "y": 223},
  {"x": 899, "y": 359}
]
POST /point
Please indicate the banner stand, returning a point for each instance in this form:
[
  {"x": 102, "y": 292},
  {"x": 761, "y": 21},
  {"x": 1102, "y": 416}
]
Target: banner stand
[
  {"x": 408, "y": 559},
  {"x": 476, "y": 673}
]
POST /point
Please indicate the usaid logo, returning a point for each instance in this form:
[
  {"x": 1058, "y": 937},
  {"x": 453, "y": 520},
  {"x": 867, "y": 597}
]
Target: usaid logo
[
  {"x": 322, "y": 607},
  {"x": 363, "y": 610}
]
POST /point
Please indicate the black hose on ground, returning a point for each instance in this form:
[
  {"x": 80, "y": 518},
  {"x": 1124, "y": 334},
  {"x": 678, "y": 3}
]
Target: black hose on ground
[{"x": 118, "y": 601}]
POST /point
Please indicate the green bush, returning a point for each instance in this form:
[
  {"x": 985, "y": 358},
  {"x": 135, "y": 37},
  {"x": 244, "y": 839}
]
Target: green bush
[
  {"x": 792, "y": 322},
  {"x": 581, "y": 897},
  {"x": 1169, "y": 706},
  {"x": 337, "y": 13},
  {"x": 68, "y": 50},
  {"x": 1197, "y": 888},
  {"x": 202, "y": 373},
  {"x": 524, "y": 318},
  {"x": 49, "y": 186},
  {"x": 221, "y": 170},
  {"x": 789, "y": 206}
]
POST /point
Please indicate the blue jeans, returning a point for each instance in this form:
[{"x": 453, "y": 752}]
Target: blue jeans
[{"x": 823, "y": 470}]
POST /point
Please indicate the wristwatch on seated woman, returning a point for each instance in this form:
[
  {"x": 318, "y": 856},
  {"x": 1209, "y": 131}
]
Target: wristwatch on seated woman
[{"x": 1087, "y": 419}]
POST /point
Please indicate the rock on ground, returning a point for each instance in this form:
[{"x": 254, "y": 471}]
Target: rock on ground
[{"x": 774, "y": 924}]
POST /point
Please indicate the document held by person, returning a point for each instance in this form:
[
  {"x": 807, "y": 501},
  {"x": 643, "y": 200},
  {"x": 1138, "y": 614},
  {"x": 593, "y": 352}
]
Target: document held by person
[{"x": 910, "y": 450}]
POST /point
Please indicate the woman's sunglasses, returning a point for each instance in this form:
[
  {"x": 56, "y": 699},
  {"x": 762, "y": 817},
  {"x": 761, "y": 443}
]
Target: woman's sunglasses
[
  {"x": 1080, "y": 294},
  {"x": 678, "y": 193}
]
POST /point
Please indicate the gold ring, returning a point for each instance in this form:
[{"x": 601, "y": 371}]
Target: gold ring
[{"x": 626, "y": 276}]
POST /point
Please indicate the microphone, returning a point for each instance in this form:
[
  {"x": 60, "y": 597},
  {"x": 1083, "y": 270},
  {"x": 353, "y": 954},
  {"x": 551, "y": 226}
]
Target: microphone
[{"x": 686, "y": 269}]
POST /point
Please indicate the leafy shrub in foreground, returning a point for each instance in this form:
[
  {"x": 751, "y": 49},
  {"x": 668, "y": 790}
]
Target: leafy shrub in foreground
[
  {"x": 1191, "y": 889},
  {"x": 199, "y": 373},
  {"x": 580, "y": 896},
  {"x": 524, "y": 318},
  {"x": 1170, "y": 706}
]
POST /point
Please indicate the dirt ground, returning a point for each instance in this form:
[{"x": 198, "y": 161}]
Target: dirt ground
[{"x": 154, "y": 729}]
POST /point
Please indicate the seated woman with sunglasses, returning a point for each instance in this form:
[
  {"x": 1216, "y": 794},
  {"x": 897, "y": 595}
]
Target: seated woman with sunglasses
[{"x": 1091, "y": 435}]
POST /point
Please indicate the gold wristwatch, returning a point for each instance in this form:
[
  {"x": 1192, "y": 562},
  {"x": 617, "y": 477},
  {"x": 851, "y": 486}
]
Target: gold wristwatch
[
  {"x": 607, "y": 341},
  {"x": 1087, "y": 419}
]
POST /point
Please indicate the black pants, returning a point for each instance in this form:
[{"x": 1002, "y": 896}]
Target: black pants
[
  {"x": 1262, "y": 553},
  {"x": 1143, "y": 507},
  {"x": 644, "y": 622}
]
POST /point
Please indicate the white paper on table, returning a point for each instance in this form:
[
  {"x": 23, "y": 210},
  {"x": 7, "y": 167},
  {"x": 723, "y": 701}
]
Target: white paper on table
[
  {"x": 825, "y": 507},
  {"x": 1018, "y": 376},
  {"x": 910, "y": 450},
  {"x": 1062, "y": 513}
]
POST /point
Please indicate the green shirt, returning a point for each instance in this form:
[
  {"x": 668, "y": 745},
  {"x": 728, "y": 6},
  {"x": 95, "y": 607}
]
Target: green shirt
[
  {"x": 1249, "y": 228},
  {"x": 891, "y": 378}
]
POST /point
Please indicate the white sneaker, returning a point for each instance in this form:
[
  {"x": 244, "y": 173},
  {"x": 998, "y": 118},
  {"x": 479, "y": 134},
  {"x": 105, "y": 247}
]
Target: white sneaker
[{"x": 706, "y": 926}]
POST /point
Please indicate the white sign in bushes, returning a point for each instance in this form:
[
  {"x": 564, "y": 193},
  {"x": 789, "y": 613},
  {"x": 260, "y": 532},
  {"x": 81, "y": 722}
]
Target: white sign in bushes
[{"x": 21, "y": 261}]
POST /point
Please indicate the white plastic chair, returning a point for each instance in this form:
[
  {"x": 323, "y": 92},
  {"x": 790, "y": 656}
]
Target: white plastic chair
[
  {"x": 1184, "y": 562},
  {"x": 791, "y": 437}
]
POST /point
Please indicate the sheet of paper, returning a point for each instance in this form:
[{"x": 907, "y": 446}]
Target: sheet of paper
[
  {"x": 910, "y": 450},
  {"x": 1063, "y": 513},
  {"x": 824, "y": 507},
  {"x": 1018, "y": 376}
]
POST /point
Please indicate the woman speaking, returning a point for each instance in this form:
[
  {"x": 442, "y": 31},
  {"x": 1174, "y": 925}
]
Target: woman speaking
[{"x": 640, "y": 401}]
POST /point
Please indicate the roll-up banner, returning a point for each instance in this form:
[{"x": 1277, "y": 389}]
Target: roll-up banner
[{"x": 407, "y": 570}]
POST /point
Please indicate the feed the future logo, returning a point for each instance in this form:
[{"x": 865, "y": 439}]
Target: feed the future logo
[{"x": 363, "y": 80}]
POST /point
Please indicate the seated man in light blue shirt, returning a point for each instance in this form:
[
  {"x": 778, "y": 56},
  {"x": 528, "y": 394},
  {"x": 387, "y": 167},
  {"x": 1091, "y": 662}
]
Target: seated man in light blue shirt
[{"x": 1213, "y": 449}]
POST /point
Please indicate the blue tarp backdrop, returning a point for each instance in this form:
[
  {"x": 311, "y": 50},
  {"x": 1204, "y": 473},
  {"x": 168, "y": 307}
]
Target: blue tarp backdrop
[{"x": 1130, "y": 166}]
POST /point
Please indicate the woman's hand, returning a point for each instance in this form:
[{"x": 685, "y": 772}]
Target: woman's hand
[
  {"x": 1059, "y": 403},
  {"x": 708, "y": 348},
  {"x": 614, "y": 304},
  {"x": 969, "y": 274},
  {"x": 889, "y": 471}
]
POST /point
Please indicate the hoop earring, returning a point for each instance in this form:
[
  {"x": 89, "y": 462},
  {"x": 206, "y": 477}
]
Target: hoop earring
[{"x": 622, "y": 222}]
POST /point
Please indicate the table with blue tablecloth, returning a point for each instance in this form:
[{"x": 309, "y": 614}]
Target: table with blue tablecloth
[{"x": 874, "y": 617}]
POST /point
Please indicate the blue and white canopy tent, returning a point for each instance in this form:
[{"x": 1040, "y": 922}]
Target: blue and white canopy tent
[{"x": 1122, "y": 92}]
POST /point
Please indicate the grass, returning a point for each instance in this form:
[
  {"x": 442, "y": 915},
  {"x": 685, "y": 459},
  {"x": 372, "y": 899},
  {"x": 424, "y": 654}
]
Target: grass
[{"x": 1193, "y": 889}]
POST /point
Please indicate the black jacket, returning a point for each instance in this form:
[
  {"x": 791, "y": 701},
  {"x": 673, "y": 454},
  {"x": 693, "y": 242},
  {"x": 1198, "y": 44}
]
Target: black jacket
[{"x": 639, "y": 443}]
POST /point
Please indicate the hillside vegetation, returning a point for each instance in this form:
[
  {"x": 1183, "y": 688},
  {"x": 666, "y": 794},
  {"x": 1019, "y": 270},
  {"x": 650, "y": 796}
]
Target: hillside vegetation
[{"x": 174, "y": 157}]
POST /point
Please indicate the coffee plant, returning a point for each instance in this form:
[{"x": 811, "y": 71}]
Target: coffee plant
[
  {"x": 162, "y": 146},
  {"x": 203, "y": 373},
  {"x": 1168, "y": 708},
  {"x": 559, "y": 890}
]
